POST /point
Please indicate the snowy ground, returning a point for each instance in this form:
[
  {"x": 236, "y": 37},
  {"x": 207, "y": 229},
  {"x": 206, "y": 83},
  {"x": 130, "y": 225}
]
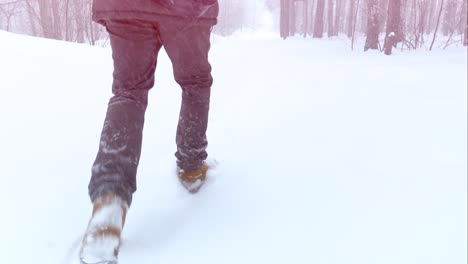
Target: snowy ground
[{"x": 324, "y": 155}]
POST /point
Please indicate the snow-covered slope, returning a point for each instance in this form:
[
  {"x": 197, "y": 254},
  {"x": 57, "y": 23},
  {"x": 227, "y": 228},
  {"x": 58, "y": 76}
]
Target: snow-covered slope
[{"x": 323, "y": 156}]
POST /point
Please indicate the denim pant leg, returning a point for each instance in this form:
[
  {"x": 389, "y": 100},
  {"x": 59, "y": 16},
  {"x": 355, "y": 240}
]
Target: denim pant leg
[
  {"x": 135, "y": 45},
  {"x": 187, "y": 45}
]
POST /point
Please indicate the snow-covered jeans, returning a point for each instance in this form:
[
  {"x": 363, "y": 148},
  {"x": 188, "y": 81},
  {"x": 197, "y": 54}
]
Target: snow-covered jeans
[{"x": 135, "y": 46}]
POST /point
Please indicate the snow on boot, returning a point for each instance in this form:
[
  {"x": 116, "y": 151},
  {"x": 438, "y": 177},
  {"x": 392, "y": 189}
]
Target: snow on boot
[
  {"x": 101, "y": 242},
  {"x": 193, "y": 180}
]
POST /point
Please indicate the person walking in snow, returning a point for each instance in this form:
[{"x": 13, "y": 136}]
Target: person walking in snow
[{"x": 137, "y": 31}]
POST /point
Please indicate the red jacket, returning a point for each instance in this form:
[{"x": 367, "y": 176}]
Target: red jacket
[{"x": 198, "y": 11}]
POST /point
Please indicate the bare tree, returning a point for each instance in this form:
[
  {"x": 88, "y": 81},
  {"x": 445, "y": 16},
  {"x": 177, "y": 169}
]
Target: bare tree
[
  {"x": 457, "y": 23},
  {"x": 56, "y": 13},
  {"x": 372, "y": 40},
  {"x": 430, "y": 15},
  {"x": 383, "y": 14},
  {"x": 338, "y": 16},
  {"x": 67, "y": 20},
  {"x": 297, "y": 16},
  {"x": 423, "y": 8},
  {"x": 45, "y": 18},
  {"x": 463, "y": 17},
  {"x": 449, "y": 20},
  {"x": 9, "y": 10},
  {"x": 319, "y": 13},
  {"x": 465, "y": 36},
  {"x": 232, "y": 15},
  {"x": 464, "y": 24},
  {"x": 393, "y": 32},
  {"x": 331, "y": 32},
  {"x": 310, "y": 11},
  {"x": 361, "y": 17},
  {"x": 437, "y": 24},
  {"x": 285, "y": 18},
  {"x": 292, "y": 18},
  {"x": 306, "y": 17},
  {"x": 414, "y": 22},
  {"x": 92, "y": 29},
  {"x": 353, "y": 32},
  {"x": 33, "y": 17},
  {"x": 351, "y": 18}
]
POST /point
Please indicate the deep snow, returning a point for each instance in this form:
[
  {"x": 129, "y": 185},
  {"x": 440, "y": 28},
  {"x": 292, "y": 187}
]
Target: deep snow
[{"x": 323, "y": 155}]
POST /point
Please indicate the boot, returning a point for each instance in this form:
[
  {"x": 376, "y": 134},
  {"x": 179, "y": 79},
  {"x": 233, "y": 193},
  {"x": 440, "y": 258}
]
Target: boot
[
  {"x": 101, "y": 241},
  {"x": 193, "y": 180}
]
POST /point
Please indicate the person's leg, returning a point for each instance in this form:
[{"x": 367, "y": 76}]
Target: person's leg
[
  {"x": 135, "y": 46},
  {"x": 187, "y": 45}
]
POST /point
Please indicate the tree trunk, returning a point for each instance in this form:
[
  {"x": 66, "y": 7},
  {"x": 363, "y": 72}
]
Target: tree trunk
[
  {"x": 393, "y": 32},
  {"x": 354, "y": 24},
  {"x": 310, "y": 12},
  {"x": 383, "y": 5},
  {"x": 423, "y": 9},
  {"x": 8, "y": 21},
  {"x": 350, "y": 23},
  {"x": 372, "y": 40},
  {"x": 5, "y": 13},
  {"x": 8, "y": 13},
  {"x": 32, "y": 16},
  {"x": 56, "y": 18},
  {"x": 430, "y": 16},
  {"x": 464, "y": 17},
  {"x": 305, "y": 14},
  {"x": 67, "y": 20},
  {"x": 45, "y": 19},
  {"x": 465, "y": 42},
  {"x": 292, "y": 18},
  {"x": 338, "y": 17},
  {"x": 437, "y": 24},
  {"x": 318, "y": 25},
  {"x": 449, "y": 17},
  {"x": 330, "y": 27},
  {"x": 361, "y": 20},
  {"x": 284, "y": 19},
  {"x": 408, "y": 16},
  {"x": 465, "y": 23}
]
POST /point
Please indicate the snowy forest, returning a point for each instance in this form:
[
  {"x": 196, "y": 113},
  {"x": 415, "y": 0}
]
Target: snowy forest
[
  {"x": 412, "y": 23},
  {"x": 337, "y": 134}
]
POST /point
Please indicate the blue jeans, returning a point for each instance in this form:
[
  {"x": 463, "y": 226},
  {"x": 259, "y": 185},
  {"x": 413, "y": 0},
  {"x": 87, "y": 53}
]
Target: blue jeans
[{"x": 135, "y": 46}]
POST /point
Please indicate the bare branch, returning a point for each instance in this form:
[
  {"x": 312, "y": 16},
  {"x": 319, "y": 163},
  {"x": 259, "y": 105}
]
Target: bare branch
[{"x": 12, "y": 2}]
